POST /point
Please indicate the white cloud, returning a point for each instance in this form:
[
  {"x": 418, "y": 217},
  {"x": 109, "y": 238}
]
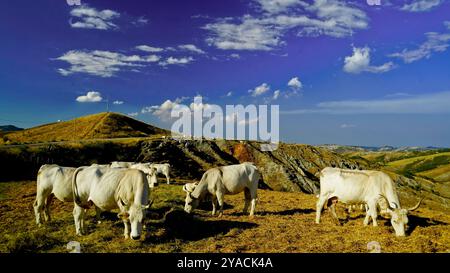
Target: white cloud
[
  {"x": 277, "y": 6},
  {"x": 191, "y": 47},
  {"x": 276, "y": 94},
  {"x": 433, "y": 103},
  {"x": 259, "y": 90},
  {"x": 436, "y": 42},
  {"x": 295, "y": 83},
  {"x": 246, "y": 34},
  {"x": 360, "y": 62},
  {"x": 102, "y": 63},
  {"x": 118, "y": 102},
  {"x": 176, "y": 61},
  {"x": 91, "y": 18},
  {"x": 91, "y": 96},
  {"x": 147, "y": 48},
  {"x": 141, "y": 21},
  {"x": 421, "y": 5},
  {"x": 265, "y": 32},
  {"x": 134, "y": 114},
  {"x": 235, "y": 56},
  {"x": 229, "y": 94},
  {"x": 164, "y": 110},
  {"x": 346, "y": 126}
]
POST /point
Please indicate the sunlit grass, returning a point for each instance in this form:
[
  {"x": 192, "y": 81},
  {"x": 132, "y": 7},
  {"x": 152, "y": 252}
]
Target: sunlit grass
[{"x": 284, "y": 223}]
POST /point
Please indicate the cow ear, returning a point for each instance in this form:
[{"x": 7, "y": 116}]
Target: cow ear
[
  {"x": 185, "y": 188},
  {"x": 191, "y": 196}
]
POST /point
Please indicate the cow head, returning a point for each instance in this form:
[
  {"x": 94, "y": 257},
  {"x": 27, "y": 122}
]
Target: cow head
[
  {"x": 191, "y": 202},
  {"x": 135, "y": 216},
  {"x": 151, "y": 177},
  {"x": 149, "y": 171},
  {"x": 399, "y": 216}
]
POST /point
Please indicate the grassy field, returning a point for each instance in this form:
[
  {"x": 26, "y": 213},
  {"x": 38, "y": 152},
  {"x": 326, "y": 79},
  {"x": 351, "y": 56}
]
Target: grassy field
[
  {"x": 284, "y": 223},
  {"x": 97, "y": 126}
]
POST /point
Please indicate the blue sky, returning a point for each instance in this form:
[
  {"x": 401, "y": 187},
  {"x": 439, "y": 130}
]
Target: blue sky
[{"x": 343, "y": 72}]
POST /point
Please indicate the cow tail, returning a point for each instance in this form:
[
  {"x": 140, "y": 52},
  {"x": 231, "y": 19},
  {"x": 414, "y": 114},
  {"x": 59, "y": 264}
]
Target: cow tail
[{"x": 76, "y": 197}]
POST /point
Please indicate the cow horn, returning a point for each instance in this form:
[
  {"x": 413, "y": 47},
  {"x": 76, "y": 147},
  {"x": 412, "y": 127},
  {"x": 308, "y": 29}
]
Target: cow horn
[
  {"x": 416, "y": 206},
  {"x": 387, "y": 201},
  {"x": 150, "y": 203}
]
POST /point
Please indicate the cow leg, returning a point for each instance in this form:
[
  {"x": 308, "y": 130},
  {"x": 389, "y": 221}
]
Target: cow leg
[
  {"x": 98, "y": 211},
  {"x": 220, "y": 201},
  {"x": 319, "y": 207},
  {"x": 248, "y": 199},
  {"x": 214, "y": 205},
  {"x": 350, "y": 209},
  {"x": 333, "y": 209},
  {"x": 254, "y": 198},
  {"x": 252, "y": 210},
  {"x": 39, "y": 206},
  {"x": 127, "y": 229},
  {"x": 78, "y": 215},
  {"x": 47, "y": 216},
  {"x": 373, "y": 213},
  {"x": 167, "y": 178}
]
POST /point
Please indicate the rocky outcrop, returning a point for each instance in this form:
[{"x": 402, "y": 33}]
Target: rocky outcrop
[{"x": 291, "y": 167}]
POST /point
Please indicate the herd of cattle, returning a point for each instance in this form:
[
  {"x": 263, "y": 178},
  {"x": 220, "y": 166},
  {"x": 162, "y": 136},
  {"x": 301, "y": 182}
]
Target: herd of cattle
[{"x": 126, "y": 186}]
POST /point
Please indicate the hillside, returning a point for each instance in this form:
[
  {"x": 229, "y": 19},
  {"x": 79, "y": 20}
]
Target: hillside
[
  {"x": 9, "y": 128},
  {"x": 97, "y": 126}
]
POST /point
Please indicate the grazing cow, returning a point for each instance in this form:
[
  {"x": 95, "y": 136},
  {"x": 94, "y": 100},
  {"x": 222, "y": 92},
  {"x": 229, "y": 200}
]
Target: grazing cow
[
  {"x": 121, "y": 164},
  {"x": 162, "y": 169},
  {"x": 144, "y": 167},
  {"x": 149, "y": 171},
  {"x": 220, "y": 181},
  {"x": 353, "y": 186},
  {"x": 52, "y": 180},
  {"x": 109, "y": 189}
]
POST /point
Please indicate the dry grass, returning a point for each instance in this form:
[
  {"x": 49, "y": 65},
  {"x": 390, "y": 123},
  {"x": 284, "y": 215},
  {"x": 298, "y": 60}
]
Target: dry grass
[
  {"x": 403, "y": 162},
  {"x": 284, "y": 223},
  {"x": 97, "y": 126},
  {"x": 441, "y": 174}
]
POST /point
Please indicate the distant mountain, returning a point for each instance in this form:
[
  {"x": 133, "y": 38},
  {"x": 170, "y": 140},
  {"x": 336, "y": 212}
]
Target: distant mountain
[
  {"x": 346, "y": 149},
  {"x": 97, "y": 126},
  {"x": 9, "y": 128}
]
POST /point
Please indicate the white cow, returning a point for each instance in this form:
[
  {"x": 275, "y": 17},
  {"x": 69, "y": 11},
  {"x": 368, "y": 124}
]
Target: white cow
[
  {"x": 162, "y": 169},
  {"x": 110, "y": 189},
  {"x": 353, "y": 186},
  {"x": 145, "y": 167},
  {"x": 52, "y": 180},
  {"x": 121, "y": 164},
  {"x": 220, "y": 181}
]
